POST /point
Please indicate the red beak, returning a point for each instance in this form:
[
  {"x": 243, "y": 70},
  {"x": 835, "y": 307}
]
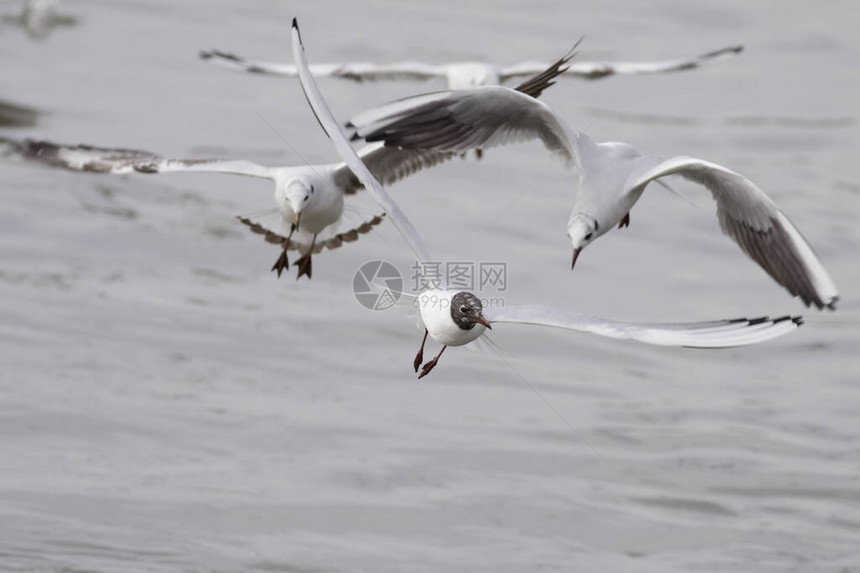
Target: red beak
[
  {"x": 482, "y": 320},
  {"x": 575, "y": 256}
]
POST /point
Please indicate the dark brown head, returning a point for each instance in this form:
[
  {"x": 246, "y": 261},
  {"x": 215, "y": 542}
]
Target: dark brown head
[{"x": 466, "y": 311}]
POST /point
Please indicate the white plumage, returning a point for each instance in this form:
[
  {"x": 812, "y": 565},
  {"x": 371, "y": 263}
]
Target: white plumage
[{"x": 435, "y": 307}]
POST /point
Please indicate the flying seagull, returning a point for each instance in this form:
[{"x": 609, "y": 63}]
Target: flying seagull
[
  {"x": 39, "y": 17},
  {"x": 456, "y": 318},
  {"x": 612, "y": 176},
  {"x": 460, "y": 75},
  {"x": 309, "y": 198}
]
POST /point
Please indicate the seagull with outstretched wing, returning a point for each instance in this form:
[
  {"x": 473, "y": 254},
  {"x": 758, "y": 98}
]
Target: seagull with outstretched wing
[
  {"x": 612, "y": 176},
  {"x": 460, "y": 75},
  {"x": 310, "y": 199},
  {"x": 39, "y": 17}
]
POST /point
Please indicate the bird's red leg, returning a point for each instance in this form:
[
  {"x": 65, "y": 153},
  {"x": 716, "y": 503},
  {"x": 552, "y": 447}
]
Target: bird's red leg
[
  {"x": 419, "y": 358},
  {"x": 283, "y": 262},
  {"x": 625, "y": 221},
  {"x": 429, "y": 366},
  {"x": 304, "y": 263}
]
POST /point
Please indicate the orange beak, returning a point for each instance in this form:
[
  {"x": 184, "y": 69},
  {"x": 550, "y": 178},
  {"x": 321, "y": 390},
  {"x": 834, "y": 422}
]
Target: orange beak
[{"x": 575, "y": 256}]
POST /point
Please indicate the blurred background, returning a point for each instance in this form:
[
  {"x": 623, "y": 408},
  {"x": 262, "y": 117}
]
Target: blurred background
[{"x": 167, "y": 404}]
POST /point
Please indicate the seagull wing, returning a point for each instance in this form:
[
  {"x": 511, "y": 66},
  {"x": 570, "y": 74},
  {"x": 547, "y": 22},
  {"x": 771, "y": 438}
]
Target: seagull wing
[
  {"x": 358, "y": 71},
  {"x": 459, "y": 120},
  {"x": 544, "y": 76},
  {"x": 239, "y": 64},
  {"x": 598, "y": 70},
  {"x": 713, "y": 334},
  {"x": 111, "y": 160},
  {"x": 395, "y": 71},
  {"x": 348, "y": 154},
  {"x": 331, "y": 243},
  {"x": 388, "y": 164},
  {"x": 755, "y": 223}
]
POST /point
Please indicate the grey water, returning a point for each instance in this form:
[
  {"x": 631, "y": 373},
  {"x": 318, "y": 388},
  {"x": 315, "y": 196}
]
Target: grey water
[{"x": 167, "y": 404}]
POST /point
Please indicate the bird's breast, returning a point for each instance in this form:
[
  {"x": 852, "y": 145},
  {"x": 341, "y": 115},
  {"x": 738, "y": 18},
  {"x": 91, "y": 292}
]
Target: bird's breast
[{"x": 435, "y": 308}]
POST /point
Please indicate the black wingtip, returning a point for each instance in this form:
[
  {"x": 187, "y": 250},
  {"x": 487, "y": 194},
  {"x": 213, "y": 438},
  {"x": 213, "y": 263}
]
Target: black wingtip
[
  {"x": 819, "y": 303},
  {"x": 723, "y": 51},
  {"x": 205, "y": 55},
  {"x": 295, "y": 23},
  {"x": 798, "y": 320}
]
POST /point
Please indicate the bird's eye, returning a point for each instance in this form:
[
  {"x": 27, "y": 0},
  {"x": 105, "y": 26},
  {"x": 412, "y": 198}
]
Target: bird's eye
[
  {"x": 464, "y": 309},
  {"x": 588, "y": 236}
]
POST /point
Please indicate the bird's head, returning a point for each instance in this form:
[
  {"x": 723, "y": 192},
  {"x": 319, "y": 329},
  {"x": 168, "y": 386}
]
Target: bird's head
[
  {"x": 582, "y": 230},
  {"x": 299, "y": 195},
  {"x": 466, "y": 311}
]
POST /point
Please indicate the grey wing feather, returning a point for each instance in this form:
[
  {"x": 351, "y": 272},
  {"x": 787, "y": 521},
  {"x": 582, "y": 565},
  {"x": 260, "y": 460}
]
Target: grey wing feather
[
  {"x": 238, "y": 63},
  {"x": 388, "y": 164},
  {"x": 711, "y": 334},
  {"x": 82, "y": 157},
  {"x": 360, "y": 72},
  {"x": 93, "y": 159},
  {"x": 476, "y": 118},
  {"x": 536, "y": 85},
  {"x": 357, "y": 72},
  {"x": 600, "y": 70},
  {"x": 751, "y": 219},
  {"x": 461, "y": 120}
]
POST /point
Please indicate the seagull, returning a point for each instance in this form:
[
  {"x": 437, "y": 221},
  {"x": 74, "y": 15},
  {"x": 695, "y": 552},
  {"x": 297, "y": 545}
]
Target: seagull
[
  {"x": 612, "y": 176},
  {"x": 461, "y": 75},
  {"x": 457, "y": 318},
  {"x": 309, "y": 198},
  {"x": 38, "y": 17}
]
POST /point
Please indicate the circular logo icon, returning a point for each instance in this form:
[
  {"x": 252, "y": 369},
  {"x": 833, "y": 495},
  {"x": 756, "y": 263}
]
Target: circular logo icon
[{"x": 377, "y": 285}]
